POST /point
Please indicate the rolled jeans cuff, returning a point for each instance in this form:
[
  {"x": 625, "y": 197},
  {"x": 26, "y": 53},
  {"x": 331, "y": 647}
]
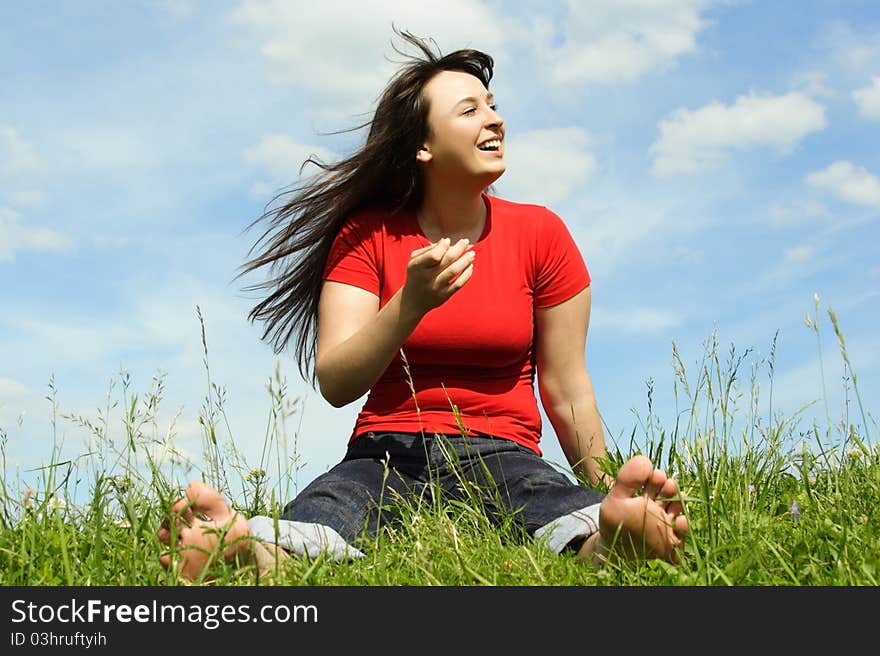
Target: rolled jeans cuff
[
  {"x": 559, "y": 533},
  {"x": 302, "y": 538}
]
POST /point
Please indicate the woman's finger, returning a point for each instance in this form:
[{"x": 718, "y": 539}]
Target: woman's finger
[
  {"x": 433, "y": 255},
  {"x": 462, "y": 279},
  {"x": 448, "y": 275},
  {"x": 455, "y": 252}
]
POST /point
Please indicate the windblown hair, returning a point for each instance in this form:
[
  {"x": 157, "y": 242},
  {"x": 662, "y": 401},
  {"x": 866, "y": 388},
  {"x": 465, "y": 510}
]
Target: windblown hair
[{"x": 382, "y": 173}]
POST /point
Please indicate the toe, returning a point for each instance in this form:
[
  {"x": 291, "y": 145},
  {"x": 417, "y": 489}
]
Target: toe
[
  {"x": 654, "y": 486},
  {"x": 681, "y": 525},
  {"x": 633, "y": 475},
  {"x": 181, "y": 508},
  {"x": 209, "y": 501}
]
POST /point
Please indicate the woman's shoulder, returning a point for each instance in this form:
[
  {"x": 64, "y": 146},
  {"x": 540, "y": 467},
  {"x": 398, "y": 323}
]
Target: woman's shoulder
[
  {"x": 524, "y": 216},
  {"x": 517, "y": 207},
  {"x": 378, "y": 226},
  {"x": 375, "y": 217}
]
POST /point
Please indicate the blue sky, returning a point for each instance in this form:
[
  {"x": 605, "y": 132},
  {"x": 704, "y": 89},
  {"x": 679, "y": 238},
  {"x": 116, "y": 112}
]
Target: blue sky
[{"x": 717, "y": 162}]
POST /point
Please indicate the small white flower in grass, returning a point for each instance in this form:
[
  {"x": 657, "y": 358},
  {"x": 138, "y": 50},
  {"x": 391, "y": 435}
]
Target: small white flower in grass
[
  {"x": 57, "y": 503},
  {"x": 123, "y": 523}
]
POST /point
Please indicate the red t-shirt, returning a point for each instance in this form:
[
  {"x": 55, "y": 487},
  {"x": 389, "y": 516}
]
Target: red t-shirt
[{"x": 474, "y": 355}]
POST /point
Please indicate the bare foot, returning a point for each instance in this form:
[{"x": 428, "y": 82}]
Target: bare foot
[
  {"x": 206, "y": 525},
  {"x": 641, "y": 517}
]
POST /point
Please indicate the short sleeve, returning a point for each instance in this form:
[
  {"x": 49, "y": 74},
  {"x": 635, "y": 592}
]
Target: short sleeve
[
  {"x": 560, "y": 271},
  {"x": 352, "y": 259}
]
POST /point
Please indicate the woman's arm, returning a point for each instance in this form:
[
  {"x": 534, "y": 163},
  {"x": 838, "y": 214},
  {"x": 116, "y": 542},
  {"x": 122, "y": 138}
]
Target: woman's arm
[
  {"x": 565, "y": 387},
  {"x": 357, "y": 340}
]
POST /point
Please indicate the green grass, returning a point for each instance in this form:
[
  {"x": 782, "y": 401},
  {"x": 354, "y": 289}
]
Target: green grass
[{"x": 770, "y": 503}]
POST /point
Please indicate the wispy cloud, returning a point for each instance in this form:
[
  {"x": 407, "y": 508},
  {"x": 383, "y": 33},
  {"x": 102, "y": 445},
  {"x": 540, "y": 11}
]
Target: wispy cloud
[
  {"x": 799, "y": 254},
  {"x": 19, "y": 163},
  {"x": 693, "y": 140},
  {"x": 11, "y": 389},
  {"x": 797, "y": 213},
  {"x": 177, "y": 9},
  {"x": 16, "y": 237},
  {"x": 562, "y": 155},
  {"x": 637, "y": 320},
  {"x": 868, "y": 100},
  {"x": 619, "y": 41},
  {"x": 282, "y": 158},
  {"x": 848, "y": 182},
  {"x": 17, "y": 156},
  {"x": 291, "y": 34}
]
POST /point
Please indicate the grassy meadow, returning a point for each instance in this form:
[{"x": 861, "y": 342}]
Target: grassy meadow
[{"x": 771, "y": 502}]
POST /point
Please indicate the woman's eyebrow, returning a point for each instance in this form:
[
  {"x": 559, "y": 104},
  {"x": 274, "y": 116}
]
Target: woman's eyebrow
[{"x": 489, "y": 98}]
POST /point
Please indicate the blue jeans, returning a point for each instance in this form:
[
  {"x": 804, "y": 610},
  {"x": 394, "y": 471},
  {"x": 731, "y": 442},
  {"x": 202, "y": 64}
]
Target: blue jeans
[{"x": 354, "y": 498}]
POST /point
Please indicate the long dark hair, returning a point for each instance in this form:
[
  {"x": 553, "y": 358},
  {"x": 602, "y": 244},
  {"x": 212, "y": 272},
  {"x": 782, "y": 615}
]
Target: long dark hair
[{"x": 382, "y": 173}]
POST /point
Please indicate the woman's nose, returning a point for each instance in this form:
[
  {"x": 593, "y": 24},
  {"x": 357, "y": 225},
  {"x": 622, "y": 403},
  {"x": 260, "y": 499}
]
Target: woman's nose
[{"x": 494, "y": 119}]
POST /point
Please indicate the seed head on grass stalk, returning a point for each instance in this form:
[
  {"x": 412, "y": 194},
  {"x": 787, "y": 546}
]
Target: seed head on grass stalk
[{"x": 841, "y": 340}]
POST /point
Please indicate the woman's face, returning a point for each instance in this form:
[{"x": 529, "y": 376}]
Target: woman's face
[{"x": 466, "y": 134}]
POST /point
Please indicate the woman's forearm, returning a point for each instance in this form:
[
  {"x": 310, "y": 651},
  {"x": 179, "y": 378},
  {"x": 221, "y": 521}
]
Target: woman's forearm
[
  {"x": 348, "y": 370},
  {"x": 578, "y": 426}
]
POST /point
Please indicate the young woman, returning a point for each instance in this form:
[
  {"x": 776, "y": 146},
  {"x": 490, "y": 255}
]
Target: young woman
[{"x": 399, "y": 276}]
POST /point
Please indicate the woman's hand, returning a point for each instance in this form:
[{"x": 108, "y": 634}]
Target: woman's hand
[
  {"x": 357, "y": 339},
  {"x": 435, "y": 273}
]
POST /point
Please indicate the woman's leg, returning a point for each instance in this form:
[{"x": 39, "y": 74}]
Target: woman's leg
[{"x": 327, "y": 517}]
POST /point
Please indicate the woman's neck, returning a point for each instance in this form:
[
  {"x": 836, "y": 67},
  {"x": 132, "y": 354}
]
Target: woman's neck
[{"x": 456, "y": 216}]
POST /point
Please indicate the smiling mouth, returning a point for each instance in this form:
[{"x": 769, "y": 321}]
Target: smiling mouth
[{"x": 491, "y": 146}]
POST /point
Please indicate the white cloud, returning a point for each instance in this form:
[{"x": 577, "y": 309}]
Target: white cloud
[
  {"x": 110, "y": 241},
  {"x": 868, "y": 100},
  {"x": 16, "y": 237},
  {"x": 850, "y": 47},
  {"x": 337, "y": 50},
  {"x": 814, "y": 83},
  {"x": 112, "y": 149},
  {"x": 161, "y": 317},
  {"x": 614, "y": 41},
  {"x": 177, "y": 9},
  {"x": 849, "y": 182},
  {"x": 635, "y": 320},
  {"x": 17, "y": 156},
  {"x": 27, "y": 198},
  {"x": 798, "y": 254},
  {"x": 797, "y": 213},
  {"x": 546, "y": 166},
  {"x": 12, "y": 389},
  {"x": 694, "y": 140},
  {"x": 608, "y": 230},
  {"x": 165, "y": 315},
  {"x": 94, "y": 341},
  {"x": 282, "y": 158},
  {"x": 859, "y": 56},
  {"x": 18, "y": 162}
]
